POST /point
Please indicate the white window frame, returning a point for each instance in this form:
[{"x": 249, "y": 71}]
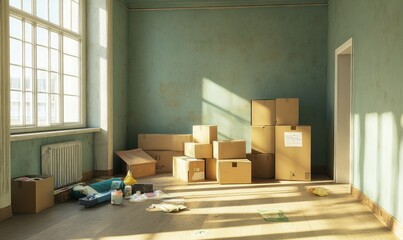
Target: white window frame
[{"x": 81, "y": 36}]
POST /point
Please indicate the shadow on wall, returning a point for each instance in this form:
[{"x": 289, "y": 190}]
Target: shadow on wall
[{"x": 377, "y": 161}]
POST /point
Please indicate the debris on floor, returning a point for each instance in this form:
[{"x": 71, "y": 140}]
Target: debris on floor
[
  {"x": 166, "y": 207},
  {"x": 270, "y": 215},
  {"x": 319, "y": 191},
  {"x": 200, "y": 233}
]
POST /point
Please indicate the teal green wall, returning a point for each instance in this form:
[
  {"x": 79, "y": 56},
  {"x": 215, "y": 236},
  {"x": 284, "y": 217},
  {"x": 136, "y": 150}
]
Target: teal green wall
[
  {"x": 26, "y": 155},
  {"x": 191, "y": 67},
  {"x": 376, "y": 27},
  {"x": 120, "y": 44}
]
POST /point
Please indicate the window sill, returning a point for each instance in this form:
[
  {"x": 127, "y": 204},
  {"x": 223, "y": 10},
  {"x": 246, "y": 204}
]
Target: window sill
[{"x": 29, "y": 136}]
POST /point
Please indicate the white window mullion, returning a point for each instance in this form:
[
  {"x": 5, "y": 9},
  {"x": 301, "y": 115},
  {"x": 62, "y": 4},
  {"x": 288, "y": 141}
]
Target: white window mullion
[
  {"x": 23, "y": 107},
  {"x": 35, "y": 75}
]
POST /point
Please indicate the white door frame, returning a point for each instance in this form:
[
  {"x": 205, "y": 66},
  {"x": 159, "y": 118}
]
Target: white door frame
[{"x": 343, "y": 167}]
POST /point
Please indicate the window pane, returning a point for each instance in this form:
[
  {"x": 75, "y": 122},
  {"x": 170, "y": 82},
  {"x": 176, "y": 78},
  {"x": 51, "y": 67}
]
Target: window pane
[
  {"x": 16, "y": 107},
  {"x": 42, "y": 36},
  {"x": 27, "y": 5},
  {"x": 71, "y": 109},
  {"x": 71, "y": 85},
  {"x": 15, "y": 3},
  {"x": 29, "y": 110},
  {"x": 71, "y": 46},
  {"x": 43, "y": 81},
  {"x": 54, "y": 11},
  {"x": 54, "y": 60},
  {"x": 54, "y": 40},
  {"x": 15, "y": 77},
  {"x": 42, "y": 9},
  {"x": 74, "y": 16},
  {"x": 54, "y": 83},
  {"x": 67, "y": 14},
  {"x": 28, "y": 79},
  {"x": 42, "y": 58},
  {"x": 71, "y": 66},
  {"x": 28, "y": 32},
  {"x": 15, "y": 28},
  {"x": 43, "y": 109},
  {"x": 28, "y": 55},
  {"x": 16, "y": 53},
  {"x": 54, "y": 108}
]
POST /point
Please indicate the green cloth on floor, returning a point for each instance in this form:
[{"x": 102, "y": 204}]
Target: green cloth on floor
[{"x": 270, "y": 215}]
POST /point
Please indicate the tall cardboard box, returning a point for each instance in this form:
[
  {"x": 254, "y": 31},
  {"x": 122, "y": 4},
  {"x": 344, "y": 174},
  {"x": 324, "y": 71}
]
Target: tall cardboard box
[
  {"x": 293, "y": 153},
  {"x": 32, "y": 196},
  {"x": 262, "y": 139},
  {"x": 211, "y": 168},
  {"x": 168, "y": 142},
  {"x": 205, "y": 133},
  {"x": 262, "y": 164},
  {"x": 188, "y": 169},
  {"x": 263, "y": 112},
  {"x": 138, "y": 162},
  {"x": 234, "y": 171},
  {"x": 164, "y": 160},
  {"x": 198, "y": 150},
  {"x": 287, "y": 111},
  {"x": 229, "y": 149}
]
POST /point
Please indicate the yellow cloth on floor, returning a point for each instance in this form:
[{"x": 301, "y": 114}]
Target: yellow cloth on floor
[{"x": 319, "y": 191}]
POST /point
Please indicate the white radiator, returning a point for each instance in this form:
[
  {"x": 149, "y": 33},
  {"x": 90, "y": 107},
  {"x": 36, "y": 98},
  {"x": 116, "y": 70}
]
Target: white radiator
[{"x": 63, "y": 161}]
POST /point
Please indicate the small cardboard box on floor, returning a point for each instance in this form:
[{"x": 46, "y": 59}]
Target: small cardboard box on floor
[
  {"x": 234, "y": 171},
  {"x": 262, "y": 164},
  {"x": 188, "y": 169},
  {"x": 138, "y": 162},
  {"x": 293, "y": 153},
  {"x": 263, "y": 112},
  {"x": 168, "y": 142},
  {"x": 32, "y": 196},
  {"x": 198, "y": 150},
  {"x": 287, "y": 111},
  {"x": 204, "y": 133},
  {"x": 164, "y": 159},
  {"x": 262, "y": 139}
]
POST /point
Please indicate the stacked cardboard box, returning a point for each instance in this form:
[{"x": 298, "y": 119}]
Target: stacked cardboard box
[
  {"x": 232, "y": 165},
  {"x": 197, "y": 152},
  {"x": 263, "y": 121},
  {"x": 163, "y": 147},
  {"x": 292, "y": 142}
]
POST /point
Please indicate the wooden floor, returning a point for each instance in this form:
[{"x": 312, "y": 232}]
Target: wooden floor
[{"x": 215, "y": 212}]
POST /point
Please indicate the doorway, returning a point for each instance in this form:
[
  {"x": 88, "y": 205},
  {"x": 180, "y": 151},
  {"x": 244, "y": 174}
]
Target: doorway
[{"x": 343, "y": 113}]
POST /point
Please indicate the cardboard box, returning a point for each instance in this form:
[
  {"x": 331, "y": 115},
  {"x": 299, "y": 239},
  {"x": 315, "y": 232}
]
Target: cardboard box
[
  {"x": 211, "y": 168},
  {"x": 32, "y": 196},
  {"x": 287, "y": 111},
  {"x": 229, "y": 149},
  {"x": 164, "y": 160},
  {"x": 293, "y": 153},
  {"x": 263, "y": 112},
  {"x": 138, "y": 162},
  {"x": 205, "y": 133},
  {"x": 262, "y": 139},
  {"x": 168, "y": 142},
  {"x": 199, "y": 150},
  {"x": 262, "y": 164},
  {"x": 234, "y": 171},
  {"x": 188, "y": 169}
]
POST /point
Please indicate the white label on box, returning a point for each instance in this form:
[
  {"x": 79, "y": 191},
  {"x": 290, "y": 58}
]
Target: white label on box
[
  {"x": 198, "y": 176},
  {"x": 293, "y": 139}
]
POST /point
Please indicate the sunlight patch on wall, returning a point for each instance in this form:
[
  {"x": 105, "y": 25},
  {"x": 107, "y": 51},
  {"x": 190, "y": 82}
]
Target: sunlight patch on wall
[
  {"x": 388, "y": 155},
  {"x": 225, "y": 109},
  {"x": 370, "y": 166}
]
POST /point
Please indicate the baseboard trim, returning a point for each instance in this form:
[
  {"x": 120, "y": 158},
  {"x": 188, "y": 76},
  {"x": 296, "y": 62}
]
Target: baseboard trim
[
  {"x": 392, "y": 223},
  {"x": 100, "y": 173},
  {"x": 87, "y": 176},
  {"x": 5, "y": 213}
]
